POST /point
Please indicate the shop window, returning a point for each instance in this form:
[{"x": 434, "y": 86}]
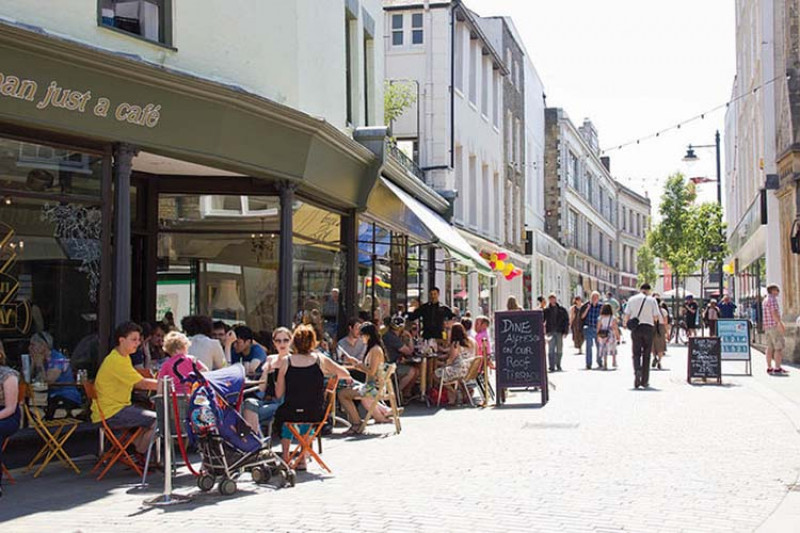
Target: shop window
[
  {"x": 226, "y": 268},
  {"x": 149, "y": 19},
  {"x": 416, "y": 28},
  {"x": 374, "y": 272},
  {"x": 50, "y": 250},
  {"x": 397, "y": 30}
]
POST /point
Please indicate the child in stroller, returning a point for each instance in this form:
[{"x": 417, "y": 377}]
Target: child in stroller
[{"x": 227, "y": 444}]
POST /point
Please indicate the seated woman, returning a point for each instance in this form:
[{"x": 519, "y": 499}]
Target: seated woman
[
  {"x": 114, "y": 383},
  {"x": 301, "y": 384},
  {"x": 179, "y": 364},
  {"x": 259, "y": 411},
  {"x": 373, "y": 367},
  {"x": 57, "y": 370},
  {"x": 9, "y": 407},
  {"x": 461, "y": 351}
]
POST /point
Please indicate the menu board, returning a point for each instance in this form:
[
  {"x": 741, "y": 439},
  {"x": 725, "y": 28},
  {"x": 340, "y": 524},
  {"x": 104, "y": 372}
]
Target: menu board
[
  {"x": 735, "y": 337},
  {"x": 704, "y": 359},
  {"x": 520, "y": 351}
]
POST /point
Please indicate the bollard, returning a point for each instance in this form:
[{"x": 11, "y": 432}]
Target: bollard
[{"x": 167, "y": 497}]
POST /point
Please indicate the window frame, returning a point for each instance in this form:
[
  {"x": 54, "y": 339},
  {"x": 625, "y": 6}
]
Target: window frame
[
  {"x": 165, "y": 29},
  {"x": 417, "y": 29},
  {"x": 398, "y": 31}
]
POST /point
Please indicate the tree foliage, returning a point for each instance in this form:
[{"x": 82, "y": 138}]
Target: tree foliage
[
  {"x": 708, "y": 233},
  {"x": 397, "y": 97},
  {"x": 671, "y": 239},
  {"x": 646, "y": 265}
]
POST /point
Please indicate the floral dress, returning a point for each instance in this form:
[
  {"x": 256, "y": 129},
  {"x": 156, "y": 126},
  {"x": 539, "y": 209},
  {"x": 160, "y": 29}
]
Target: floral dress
[
  {"x": 608, "y": 345},
  {"x": 370, "y": 388},
  {"x": 458, "y": 368}
]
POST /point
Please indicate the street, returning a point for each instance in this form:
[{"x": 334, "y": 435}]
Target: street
[{"x": 598, "y": 457}]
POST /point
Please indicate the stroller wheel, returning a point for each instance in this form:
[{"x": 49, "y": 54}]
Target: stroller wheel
[
  {"x": 206, "y": 482},
  {"x": 227, "y": 487},
  {"x": 291, "y": 477},
  {"x": 260, "y": 475}
]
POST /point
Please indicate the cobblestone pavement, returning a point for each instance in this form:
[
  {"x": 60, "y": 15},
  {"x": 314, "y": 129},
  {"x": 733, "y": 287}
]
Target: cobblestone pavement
[{"x": 599, "y": 457}]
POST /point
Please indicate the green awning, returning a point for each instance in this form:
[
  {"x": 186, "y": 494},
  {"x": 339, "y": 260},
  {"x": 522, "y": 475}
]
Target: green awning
[{"x": 439, "y": 231}]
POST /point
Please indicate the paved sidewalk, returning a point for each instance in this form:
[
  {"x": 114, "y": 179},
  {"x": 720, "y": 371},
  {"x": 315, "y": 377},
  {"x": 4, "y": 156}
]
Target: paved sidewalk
[{"x": 598, "y": 457}]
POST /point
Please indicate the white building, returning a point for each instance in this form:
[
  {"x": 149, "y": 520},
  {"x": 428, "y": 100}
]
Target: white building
[
  {"x": 548, "y": 257},
  {"x": 752, "y": 212},
  {"x": 580, "y": 203},
  {"x": 457, "y": 136},
  {"x": 633, "y": 211}
]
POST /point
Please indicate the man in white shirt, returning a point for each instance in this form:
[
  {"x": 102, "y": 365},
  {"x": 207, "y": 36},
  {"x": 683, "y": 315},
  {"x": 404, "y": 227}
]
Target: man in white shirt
[
  {"x": 205, "y": 349},
  {"x": 644, "y": 309}
]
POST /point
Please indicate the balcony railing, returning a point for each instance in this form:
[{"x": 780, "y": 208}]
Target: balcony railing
[{"x": 404, "y": 160}]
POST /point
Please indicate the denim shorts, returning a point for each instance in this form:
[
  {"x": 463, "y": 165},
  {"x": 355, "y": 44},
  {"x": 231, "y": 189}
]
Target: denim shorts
[
  {"x": 266, "y": 410},
  {"x": 302, "y": 429},
  {"x": 131, "y": 417}
]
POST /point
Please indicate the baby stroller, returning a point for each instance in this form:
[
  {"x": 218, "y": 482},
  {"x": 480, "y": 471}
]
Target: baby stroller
[{"x": 227, "y": 445}]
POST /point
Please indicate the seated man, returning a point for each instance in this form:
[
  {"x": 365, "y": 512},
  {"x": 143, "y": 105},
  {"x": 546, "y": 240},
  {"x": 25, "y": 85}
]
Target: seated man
[
  {"x": 241, "y": 347},
  {"x": 57, "y": 373},
  {"x": 398, "y": 352},
  {"x": 115, "y": 382}
]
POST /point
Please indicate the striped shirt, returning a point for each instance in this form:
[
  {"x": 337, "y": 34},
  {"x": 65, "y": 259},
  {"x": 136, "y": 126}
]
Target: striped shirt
[{"x": 771, "y": 304}]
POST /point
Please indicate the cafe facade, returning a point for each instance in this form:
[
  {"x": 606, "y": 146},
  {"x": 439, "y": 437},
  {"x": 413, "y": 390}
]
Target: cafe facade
[{"x": 233, "y": 205}]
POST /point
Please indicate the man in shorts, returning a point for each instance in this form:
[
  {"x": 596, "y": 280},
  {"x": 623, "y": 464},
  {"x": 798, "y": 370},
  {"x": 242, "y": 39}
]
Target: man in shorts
[
  {"x": 690, "y": 308},
  {"x": 774, "y": 330}
]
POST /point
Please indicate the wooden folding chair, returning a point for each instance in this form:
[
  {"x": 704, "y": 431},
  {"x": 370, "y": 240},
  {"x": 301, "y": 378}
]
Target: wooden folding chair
[
  {"x": 475, "y": 366},
  {"x": 118, "y": 451},
  {"x": 22, "y": 395},
  {"x": 54, "y": 435},
  {"x": 305, "y": 440},
  {"x": 386, "y": 394}
]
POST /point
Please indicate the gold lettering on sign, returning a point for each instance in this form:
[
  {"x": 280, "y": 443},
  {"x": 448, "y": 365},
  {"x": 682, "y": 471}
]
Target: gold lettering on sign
[
  {"x": 58, "y": 97},
  {"x": 101, "y": 109}
]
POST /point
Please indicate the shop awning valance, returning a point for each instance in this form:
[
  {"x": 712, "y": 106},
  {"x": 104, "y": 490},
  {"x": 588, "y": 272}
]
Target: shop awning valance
[{"x": 438, "y": 230}]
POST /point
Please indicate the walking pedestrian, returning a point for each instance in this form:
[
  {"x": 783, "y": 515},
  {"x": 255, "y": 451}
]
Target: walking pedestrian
[
  {"x": 710, "y": 317},
  {"x": 613, "y": 302},
  {"x": 690, "y": 309},
  {"x": 590, "y": 313},
  {"x": 660, "y": 334},
  {"x": 608, "y": 335},
  {"x": 727, "y": 309},
  {"x": 556, "y": 327},
  {"x": 775, "y": 331},
  {"x": 575, "y": 323},
  {"x": 641, "y": 316},
  {"x": 512, "y": 304}
]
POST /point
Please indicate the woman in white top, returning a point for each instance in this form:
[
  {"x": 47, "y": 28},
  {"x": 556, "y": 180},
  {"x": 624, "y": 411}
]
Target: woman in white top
[{"x": 608, "y": 335}]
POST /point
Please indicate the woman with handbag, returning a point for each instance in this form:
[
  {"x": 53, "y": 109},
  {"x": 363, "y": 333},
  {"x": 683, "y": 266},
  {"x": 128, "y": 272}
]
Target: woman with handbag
[
  {"x": 608, "y": 335},
  {"x": 660, "y": 335}
]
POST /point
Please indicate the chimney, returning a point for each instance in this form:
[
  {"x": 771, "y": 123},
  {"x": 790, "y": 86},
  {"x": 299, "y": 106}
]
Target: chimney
[{"x": 606, "y": 162}]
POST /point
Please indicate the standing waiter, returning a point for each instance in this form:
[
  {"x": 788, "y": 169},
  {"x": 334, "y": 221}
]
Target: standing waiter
[
  {"x": 641, "y": 315},
  {"x": 433, "y": 315}
]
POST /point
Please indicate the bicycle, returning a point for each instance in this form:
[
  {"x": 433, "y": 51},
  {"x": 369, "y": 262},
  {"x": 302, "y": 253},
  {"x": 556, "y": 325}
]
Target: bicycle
[{"x": 679, "y": 334}]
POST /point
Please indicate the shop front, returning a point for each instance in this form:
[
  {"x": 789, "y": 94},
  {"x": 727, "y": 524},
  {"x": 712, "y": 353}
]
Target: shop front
[{"x": 129, "y": 191}]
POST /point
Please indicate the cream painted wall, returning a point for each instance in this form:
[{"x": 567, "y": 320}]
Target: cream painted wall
[{"x": 291, "y": 52}]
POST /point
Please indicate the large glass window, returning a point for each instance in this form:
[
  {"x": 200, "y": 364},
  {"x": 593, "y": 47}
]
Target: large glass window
[
  {"x": 149, "y": 19},
  {"x": 50, "y": 248},
  {"x": 219, "y": 261}
]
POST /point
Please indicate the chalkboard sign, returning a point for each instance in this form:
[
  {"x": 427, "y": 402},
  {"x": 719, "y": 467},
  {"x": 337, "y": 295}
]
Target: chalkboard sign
[
  {"x": 520, "y": 351},
  {"x": 704, "y": 360}
]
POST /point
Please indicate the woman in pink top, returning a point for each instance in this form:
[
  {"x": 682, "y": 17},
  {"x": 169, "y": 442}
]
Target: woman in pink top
[{"x": 176, "y": 345}]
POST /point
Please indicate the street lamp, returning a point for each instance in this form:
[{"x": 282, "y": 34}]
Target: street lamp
[{"x": 691, "y": 157}]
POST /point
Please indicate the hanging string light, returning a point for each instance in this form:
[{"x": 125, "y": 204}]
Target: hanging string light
[{"x": 701, "y": 116}]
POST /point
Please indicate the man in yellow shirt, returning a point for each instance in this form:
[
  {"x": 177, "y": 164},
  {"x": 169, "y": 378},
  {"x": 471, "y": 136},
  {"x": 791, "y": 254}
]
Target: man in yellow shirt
[{"x": 115, "y": 381}]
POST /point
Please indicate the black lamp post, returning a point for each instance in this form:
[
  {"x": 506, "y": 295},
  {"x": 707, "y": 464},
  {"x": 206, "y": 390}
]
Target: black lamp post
[{"x": 691, "y": 157}]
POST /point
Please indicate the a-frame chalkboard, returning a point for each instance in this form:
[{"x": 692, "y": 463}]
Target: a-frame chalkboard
[
  {"x": 520, "y": 352},
  {"x": 704, "y": 359}
]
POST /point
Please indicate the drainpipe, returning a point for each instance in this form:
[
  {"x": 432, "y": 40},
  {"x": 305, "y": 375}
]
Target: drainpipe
[{"x": 453, "y": 84}]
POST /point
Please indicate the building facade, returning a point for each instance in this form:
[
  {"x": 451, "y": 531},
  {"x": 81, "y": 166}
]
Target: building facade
[
  {"x": 151, "y": 164},
  {"x": 633, "y": 223},
  {"x": 461, "y": 67},
  {"x": 580, "y": 203}
]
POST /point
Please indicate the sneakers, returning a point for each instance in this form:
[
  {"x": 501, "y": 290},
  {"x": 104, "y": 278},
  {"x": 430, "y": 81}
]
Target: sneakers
[
  {"x": 770, "y": 370},
  {"x": 780, "y": 371}
]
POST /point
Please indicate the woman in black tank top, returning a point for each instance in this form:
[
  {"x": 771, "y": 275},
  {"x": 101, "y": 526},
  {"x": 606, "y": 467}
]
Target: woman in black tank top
[{"x": 301, "y": 383}]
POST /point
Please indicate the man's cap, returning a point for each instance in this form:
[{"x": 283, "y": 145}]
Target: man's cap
[{"x": 398, "y": 322}]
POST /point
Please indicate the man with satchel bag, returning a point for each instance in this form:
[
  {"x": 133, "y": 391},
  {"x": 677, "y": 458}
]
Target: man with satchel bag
[{"x": 641, "y": 315}]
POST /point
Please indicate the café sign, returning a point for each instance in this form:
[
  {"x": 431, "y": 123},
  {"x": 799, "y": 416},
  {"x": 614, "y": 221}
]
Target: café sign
[{"x": 78, "y": 101}]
